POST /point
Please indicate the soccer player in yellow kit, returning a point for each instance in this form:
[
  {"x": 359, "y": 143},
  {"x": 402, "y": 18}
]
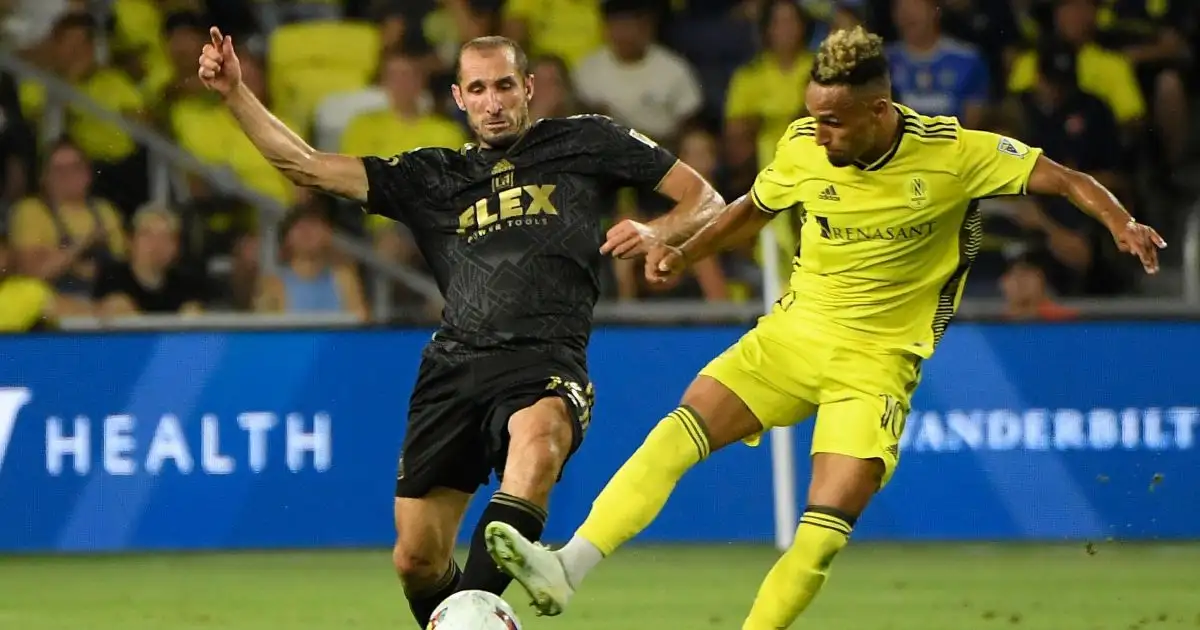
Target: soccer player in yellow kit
[{"x": 891, "y": 224}]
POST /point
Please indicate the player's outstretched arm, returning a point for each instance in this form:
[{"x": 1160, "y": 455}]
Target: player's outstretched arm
[
  {"x": 697, "y": 204},
  {"x": 340, "y": 175},
  {"x": 1087, "y": 194}
]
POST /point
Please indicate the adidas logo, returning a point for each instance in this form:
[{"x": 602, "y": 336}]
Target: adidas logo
[
  {"x": 503, "y": 166},
  {"x": 829, "y": 194}
]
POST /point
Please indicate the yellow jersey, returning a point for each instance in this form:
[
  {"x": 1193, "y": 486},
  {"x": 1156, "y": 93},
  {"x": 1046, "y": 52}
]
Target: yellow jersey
[
  {"x": 110, "y": 88},
  {"x": 205, "y": 128},
  {"x": 766, "y": 91},
  {"x": 885, "y": 247}
]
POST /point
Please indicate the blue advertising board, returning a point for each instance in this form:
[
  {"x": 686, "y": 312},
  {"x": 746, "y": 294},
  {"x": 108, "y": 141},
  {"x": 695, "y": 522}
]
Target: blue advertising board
[{"x": 131, "y": 441}]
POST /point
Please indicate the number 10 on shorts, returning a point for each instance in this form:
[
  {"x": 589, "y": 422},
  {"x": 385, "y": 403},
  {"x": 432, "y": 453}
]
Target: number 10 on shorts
[{"x": 893, "y": 416}]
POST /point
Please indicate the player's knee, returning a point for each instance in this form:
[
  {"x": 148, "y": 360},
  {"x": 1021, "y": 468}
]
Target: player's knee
[
  {"x": 844, "y": 482},
  {"x": 417, "y": 566},
  {"x": 540, "y": 438}
]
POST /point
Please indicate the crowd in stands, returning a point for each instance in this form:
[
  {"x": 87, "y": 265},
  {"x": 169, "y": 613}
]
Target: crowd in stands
[{"x": 1102, "y": 85}]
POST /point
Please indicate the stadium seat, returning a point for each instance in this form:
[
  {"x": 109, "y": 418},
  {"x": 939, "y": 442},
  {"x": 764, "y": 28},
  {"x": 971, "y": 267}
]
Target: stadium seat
[{"x": 307, "y": 61}]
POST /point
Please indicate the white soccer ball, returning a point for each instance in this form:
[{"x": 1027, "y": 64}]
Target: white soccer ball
[{"x": 474, "y": 610}]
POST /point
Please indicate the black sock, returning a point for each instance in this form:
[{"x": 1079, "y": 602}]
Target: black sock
[
  {"x": 424, "y": 602},
  {"x": 481, "y": 572}
]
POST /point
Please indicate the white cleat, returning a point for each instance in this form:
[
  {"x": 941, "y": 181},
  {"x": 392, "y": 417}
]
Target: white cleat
[{"x": 532, "y": 565}]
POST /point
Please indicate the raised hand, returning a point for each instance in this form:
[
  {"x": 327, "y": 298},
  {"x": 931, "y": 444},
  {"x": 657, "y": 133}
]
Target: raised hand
[{"x": 220, "y": 69}]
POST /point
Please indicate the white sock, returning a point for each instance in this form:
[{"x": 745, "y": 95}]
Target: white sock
[{"x": 578, "y": 557}]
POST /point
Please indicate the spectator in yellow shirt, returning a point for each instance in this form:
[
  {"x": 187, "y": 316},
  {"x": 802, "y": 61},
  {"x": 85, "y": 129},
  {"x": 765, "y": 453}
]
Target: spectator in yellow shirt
[
  {"x": 570, "y": 29},
  {"x": 185, "y": 34},
  {"x": 1104, "y": 74},
  {"x": 121, "y": 167},
  {"x": 767, "y": 94},
  {"x": 63, "y": 235},
  {"x": 404, "y": 125}
]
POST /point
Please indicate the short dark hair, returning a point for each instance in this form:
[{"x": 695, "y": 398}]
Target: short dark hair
[
  {"x": 62, "y": 143},
  {"x": 494, "y": 42},
  {"x": 767, "y": 13},
  {"x": 852, "y": 57},
  {"x": 74, "y": 20}
]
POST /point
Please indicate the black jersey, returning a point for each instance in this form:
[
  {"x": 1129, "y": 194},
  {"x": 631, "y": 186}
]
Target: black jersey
[{"x": 513, "y": 236}]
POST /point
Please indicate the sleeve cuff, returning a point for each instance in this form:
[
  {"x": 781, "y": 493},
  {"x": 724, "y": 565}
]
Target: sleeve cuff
[
  {"x": 758, "y": 203},
  {"x": 1037, "y": 155}
]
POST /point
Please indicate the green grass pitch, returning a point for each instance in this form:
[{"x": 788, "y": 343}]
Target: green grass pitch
[{"x": 1111, "y": 586}]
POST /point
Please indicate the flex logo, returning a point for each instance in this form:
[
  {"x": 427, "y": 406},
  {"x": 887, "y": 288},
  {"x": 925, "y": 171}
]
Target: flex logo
[
  {"x": 12, "y": 399},
  {"x": 520, "y": 205}
]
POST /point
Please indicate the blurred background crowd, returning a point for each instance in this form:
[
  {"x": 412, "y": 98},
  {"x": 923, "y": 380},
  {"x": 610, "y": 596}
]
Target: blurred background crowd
[{"x": 98, "y": 221}]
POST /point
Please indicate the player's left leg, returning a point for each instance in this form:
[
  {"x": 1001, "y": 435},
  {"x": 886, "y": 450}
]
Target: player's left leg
[
  {"x": 855, "y": 451},
  {"x": 539, "y": 442},
  {"x": 540, "y": 408}
]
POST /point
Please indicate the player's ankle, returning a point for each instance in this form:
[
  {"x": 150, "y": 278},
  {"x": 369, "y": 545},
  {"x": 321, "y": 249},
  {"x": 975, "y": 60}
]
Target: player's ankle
[{"x": 578, "y": 557}]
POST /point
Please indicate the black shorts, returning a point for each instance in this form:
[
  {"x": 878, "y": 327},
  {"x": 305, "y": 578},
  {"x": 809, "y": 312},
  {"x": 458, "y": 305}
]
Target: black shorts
[{"x": 458, "y": 415}]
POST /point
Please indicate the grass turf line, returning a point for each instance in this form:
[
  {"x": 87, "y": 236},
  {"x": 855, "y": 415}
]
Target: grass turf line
[{"x": 874, "y": 587}]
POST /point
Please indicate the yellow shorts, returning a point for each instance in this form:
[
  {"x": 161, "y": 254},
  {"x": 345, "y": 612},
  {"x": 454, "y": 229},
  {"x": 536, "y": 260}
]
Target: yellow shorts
[{"x": 785, "y": 374}]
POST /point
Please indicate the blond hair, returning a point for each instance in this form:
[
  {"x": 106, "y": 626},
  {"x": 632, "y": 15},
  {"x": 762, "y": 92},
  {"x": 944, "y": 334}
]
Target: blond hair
[
  {"x": 151, "y": 211},
  {"x": 851, "y": 57}
]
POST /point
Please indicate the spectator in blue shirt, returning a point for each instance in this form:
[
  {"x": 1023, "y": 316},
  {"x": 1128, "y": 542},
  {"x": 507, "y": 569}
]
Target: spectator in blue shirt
[{"x": 934, "y": 74}]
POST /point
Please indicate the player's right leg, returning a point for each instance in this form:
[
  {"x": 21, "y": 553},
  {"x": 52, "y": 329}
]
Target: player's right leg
[
  {"x": 715, "y": 411},
  {"x": 441, "y": 466}
]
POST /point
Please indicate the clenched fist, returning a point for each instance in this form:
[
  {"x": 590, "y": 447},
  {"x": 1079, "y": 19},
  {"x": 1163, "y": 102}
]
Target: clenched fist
[
  {"x": 664, "y": 264},
  {"x": 220, "y": 69}
]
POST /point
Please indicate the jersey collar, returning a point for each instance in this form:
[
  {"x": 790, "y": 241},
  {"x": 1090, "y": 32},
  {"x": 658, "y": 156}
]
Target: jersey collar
[{"x": 891, "y": 152}]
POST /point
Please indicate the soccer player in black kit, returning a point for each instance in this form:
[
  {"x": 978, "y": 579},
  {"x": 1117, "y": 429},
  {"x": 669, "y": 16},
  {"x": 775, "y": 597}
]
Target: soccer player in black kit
[{"x": 511, "y": 229}]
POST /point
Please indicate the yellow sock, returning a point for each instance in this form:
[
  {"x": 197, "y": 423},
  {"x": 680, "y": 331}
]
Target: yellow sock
[
  {"x": 797, "y": 577},
  {"x": 636, "y": 494}
]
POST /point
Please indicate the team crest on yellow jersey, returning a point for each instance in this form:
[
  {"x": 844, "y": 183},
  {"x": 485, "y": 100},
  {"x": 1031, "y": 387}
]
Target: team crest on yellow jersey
[
  {"x": 918, "y": 193},
  {"x": 1012, "y": 148}
]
